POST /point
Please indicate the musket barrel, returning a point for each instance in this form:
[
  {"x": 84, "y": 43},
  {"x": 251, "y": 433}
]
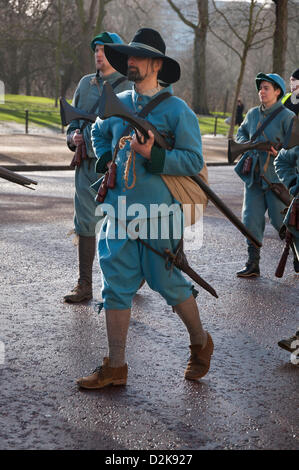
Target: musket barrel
[
  {"x": 15, "y": 178},
  {"x": 226, "y": 210},
  {"x": 112, "y": 106},
  {"x": 291, "y": 140},
  {"x": 235, "y": 149},
  {"x": 68, "y": 113}
]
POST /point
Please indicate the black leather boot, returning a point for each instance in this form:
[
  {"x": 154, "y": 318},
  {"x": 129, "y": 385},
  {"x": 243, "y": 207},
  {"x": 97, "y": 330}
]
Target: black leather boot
[
  {"x": 252, "y": 268},
  {"x": 86, "y": 253}
]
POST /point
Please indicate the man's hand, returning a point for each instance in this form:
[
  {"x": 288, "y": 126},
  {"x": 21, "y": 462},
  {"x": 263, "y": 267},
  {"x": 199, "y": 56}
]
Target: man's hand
[
  {"x": 273, "y": 151},
  {"x": 78, "y": 138},
  {"x": 143, "y": 149}
]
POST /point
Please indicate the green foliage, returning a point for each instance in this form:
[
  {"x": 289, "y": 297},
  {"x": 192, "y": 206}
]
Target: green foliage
[
  {"x": 42, "y": 111},
  {"x": 207, "y": 125}
]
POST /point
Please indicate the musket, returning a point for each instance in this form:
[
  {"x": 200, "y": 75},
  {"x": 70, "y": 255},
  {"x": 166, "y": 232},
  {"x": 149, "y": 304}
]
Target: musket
[
  {"x": 289, "y": 238},
  {"x": 279, "y": 190},
  {"x": 112, "y": 106},
  {"x": 15, "y": 178},
  {"x": 292, "y": 139},
  {"x": 179, "y": 260},
  {"x": 226, "y": 210},
  {"x": 68, "y": 113},
  {"x": 282, "y": 262}
]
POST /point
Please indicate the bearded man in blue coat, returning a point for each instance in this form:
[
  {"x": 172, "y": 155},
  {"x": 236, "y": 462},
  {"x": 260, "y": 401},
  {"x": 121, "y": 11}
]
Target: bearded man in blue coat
[{"x": 123, "y": 259}]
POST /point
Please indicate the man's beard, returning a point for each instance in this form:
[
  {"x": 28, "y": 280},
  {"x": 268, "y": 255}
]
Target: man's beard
[{"x": 134, "y": 75}]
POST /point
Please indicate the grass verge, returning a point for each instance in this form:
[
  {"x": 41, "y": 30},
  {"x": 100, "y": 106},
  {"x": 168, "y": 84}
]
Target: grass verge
[{"x": 42, "y": 112}]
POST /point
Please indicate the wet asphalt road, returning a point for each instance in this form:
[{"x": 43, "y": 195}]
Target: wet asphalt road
[{"x": 249, "y": 399}]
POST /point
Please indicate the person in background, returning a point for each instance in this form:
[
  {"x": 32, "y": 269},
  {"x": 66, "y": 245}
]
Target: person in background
[
  {"x": 239, "y": 112},
  {"x": 291, "y": 100},
  {"x": 256, "y": 163},
  {"x": 87, "y": 97},
  {"x": 287, "y": 169}
]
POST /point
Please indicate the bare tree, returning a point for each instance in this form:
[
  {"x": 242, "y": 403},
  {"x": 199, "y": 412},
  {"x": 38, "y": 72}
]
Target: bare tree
[
  {"x": 249, "y": 27},
  {"x": 19, "y": 23},
  {"x": 90, "y": 19},
  {"x": 200, "y": 29},
  {"x": 293, "y": 36},
  {"x": 280, "y": 38}
]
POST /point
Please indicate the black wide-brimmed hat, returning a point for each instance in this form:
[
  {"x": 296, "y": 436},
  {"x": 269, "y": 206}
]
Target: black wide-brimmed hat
[{"x": 146, "y": 43}]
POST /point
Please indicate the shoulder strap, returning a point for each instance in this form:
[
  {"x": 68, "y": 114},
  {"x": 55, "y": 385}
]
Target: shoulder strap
[
  {"x": 266, "y": 122},
  {"x": 118, "y": 82},
  {"x": 143, "y": 113},
  {"x": 148, "y": 108},
  {"x": 153, "y": 103}
]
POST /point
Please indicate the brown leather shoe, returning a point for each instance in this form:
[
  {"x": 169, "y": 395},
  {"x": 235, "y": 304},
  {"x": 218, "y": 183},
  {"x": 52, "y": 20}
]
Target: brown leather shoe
[
  {"x": 199, "y": 361},
  {"x": 82, "y": 291},
  {"x": 105, "y": 375}
]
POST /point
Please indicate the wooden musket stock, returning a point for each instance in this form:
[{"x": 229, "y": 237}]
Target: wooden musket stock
[
  {"x": 15, "y": 178},
  {"x": 235, "y": 149}
]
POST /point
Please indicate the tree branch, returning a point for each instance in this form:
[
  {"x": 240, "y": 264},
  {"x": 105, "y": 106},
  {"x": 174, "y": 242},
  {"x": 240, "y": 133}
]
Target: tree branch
[
  {"x": 227, "y": 22},
  {"x": 181, "y": 16},
  {"x": 229, "y": 45}
]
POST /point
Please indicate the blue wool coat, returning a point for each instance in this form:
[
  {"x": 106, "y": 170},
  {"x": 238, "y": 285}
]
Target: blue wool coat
[
  {"x": 287, "y": 169},
  {"x": 125, "y": 262},
  {"x": 85, "y": 96},
  {"x": 172, "y": 115},
  {"x": 257, "y": 199},
  {"x": 275, "y": 132}
]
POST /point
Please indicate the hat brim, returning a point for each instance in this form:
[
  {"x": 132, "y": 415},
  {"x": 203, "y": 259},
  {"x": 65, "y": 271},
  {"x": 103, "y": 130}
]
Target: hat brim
[{"x": 117, "y": 55}]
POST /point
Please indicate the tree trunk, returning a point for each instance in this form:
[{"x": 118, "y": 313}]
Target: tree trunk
[
  {"x": 199, "y": 98},
  {"x": 280, "y": 36},
  {"x": 58, "y": 53},
  {"x": 66, "y": 79},
  {"x": 28, "y": 76},
  {"x": 14, "y": 76},
  {"x": 199, "y": 101},
  {"x": 237, "y": 93},
  {"x": 91, "y": 24},
  {"x": 200, "y": 30}
]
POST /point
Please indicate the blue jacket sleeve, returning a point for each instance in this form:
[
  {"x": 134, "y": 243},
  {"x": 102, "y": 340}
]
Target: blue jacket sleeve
[
  {"x": 186, "y": 157},
  {"x": 101, "y": 138},
  {"x": 286, "y": 166}
]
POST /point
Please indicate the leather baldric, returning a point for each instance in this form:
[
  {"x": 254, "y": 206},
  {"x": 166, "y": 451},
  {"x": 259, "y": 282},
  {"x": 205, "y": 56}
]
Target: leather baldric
[
  {"x": 266, "y": 123},
  {"x": 143, "y": 113}
]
